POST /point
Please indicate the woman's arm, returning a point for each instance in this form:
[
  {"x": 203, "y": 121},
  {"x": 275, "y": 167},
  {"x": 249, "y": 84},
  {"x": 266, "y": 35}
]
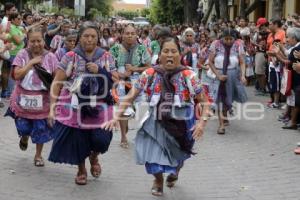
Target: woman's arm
[
  {"x": 57, "y": 84},
  {"x": 200, "y": 125},
  {"x": 124, "y": 104},
  {"x": 242, "y": 65},
  {"x": 20, "y": 72}
]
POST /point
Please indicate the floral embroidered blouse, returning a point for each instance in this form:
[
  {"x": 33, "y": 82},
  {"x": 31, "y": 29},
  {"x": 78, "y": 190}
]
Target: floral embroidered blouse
[
  {"x": 186, "y": 83},
  {"x": 218, "y": 49}
]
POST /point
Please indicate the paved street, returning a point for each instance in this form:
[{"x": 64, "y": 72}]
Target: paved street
[{"x": 253, "y": 161}]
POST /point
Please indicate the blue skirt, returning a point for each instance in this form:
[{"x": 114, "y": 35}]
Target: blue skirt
[
  {"x": 37, "y": 129},
  {"x": 73, "y": 145},
  {"x": 157, "y": 149}
]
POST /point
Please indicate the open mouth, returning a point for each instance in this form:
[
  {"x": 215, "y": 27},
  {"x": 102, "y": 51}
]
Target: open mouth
[{"x": 170, "y": 62}]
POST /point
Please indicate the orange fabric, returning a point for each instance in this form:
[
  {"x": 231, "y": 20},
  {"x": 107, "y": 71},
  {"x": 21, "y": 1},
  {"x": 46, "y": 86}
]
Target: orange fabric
[{"x": 279, "y": 35}]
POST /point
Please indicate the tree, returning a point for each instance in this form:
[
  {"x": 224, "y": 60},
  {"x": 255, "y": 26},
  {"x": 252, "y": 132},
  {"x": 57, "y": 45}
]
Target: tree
[
  {"x": 128, "y": 14},
  {"x": 190, "y": 10},
  {"x": 94, "y": 13},
  {"x": 211, "y": 4},
  {"x": 244, "y": 12},
  {"x": 145, "y": 12},
  {"x": 103, "y": 6},
  {"x": 167, "y": 11},
  {"x": 224, "y": 9}
]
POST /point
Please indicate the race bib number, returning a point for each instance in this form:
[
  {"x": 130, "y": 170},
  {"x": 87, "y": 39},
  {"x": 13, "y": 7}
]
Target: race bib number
[{"x": 31, "y": 102}]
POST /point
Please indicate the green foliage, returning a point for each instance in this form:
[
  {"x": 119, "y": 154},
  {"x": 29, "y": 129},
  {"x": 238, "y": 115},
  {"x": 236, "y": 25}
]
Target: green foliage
[
  {"x": 103, "y": 6},
  {"x": 167, "y": 11},
  {"x": 128, "y": 14},
  {"x": 94, "y": 13},
  {"x": 145, "y": 12},
  {"x": 67, "y": 12}
]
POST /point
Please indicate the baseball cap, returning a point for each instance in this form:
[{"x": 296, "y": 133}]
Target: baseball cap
[{"x": 261, "y": 21}]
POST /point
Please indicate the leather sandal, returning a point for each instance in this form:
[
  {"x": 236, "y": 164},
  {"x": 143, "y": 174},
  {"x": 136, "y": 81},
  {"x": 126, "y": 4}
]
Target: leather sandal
[
  {"x": 124, "y": 145},
  {"x": 95, "y": 167},
  {"x": 81, "y": 179},
  {"x": 39, "y": 162},
  {"x": 171, "y": 180},
  {"x": 157, "y": 190},
  {"x": 23, "y": 144},
  {"x": 221, "y": 131}
]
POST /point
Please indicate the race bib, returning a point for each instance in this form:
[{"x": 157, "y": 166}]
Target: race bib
[{"x": 31, "y": 102}]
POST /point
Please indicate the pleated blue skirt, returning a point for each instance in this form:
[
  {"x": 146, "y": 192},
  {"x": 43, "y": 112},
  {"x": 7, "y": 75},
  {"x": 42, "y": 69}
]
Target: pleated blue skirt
[
  {"x": 157, "y": 149},
  {"x": 37, "y": 129},
  {"x": 73, "y": 145}
]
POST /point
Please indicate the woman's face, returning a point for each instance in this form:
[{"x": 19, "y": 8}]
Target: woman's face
[
  {"x": 170, "y": 56},
  {"x": 242, "y": 23},
  {"x": 228, "y": 40},
  {"x": 89, "y": 39},
  {"x": 36, "y": 42},
  {"x": 65, "y": 28},
  {"x": 129, "y": 35},
  {"x": 70, "y": 42},
  {"x": 189, "y": 37},
  {"x": 291, "y": 41},
  {"x": 17, "y": 21},
  {"x": 105, "y": 33},
  {"x": 174, "y": 31},
  {"x": 202, "y": 38}
]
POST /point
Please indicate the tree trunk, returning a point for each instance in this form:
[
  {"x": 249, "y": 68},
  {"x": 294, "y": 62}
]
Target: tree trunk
[
  {"x": 210, "y": 8},
  {"x": 217, "y": 8},
  {"x": 224, "y": 10},
  {"x": 277, "y": 9},
  {"x": 190, "y": 10},
  {"x": 243, "y": 8},
  {"x": 252, "y": 7}
]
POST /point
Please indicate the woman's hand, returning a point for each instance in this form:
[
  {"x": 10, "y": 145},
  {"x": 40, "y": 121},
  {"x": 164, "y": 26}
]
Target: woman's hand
[
  {"x": 51, "y": 118},
  {"x": 296, "y": 67},
  {"x": 222, "y": 77},
  {"x": 296, "y": 54},
  {"x": 35, "y": 61},
  {"x": 131, "y": 68},
  {"x": 110, "y": 125},
  {"x": 243, "y": 80},
  {"x": 92, "y": 67},
  {"x": 198, "y": 130}
]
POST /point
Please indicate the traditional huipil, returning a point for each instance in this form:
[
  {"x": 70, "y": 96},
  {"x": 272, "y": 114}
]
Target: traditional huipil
[
  {"x": 30, "y": 101},
  {"x": 161, "y": 145},
  {"x": 77, "y": 128}
]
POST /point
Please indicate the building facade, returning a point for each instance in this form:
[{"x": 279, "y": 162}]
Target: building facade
[{"x": 264, "y": 9}]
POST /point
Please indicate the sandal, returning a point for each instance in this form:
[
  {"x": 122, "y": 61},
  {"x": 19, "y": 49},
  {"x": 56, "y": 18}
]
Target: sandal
[
  {"x": 171, "y": 180},
  {"x": 39, "y": 162},
  {"x": 221, "y": 131},
  {"x": 81, "y": 179},
  {"x": 156, "y": 189},
  {"x": 23, "y": 144},
  {"x": 95, "y": 167},
  {"x": 124, "y": 145}
]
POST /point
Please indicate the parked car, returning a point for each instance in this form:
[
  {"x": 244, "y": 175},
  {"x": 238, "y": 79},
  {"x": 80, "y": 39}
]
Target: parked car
[
  {"x": 125, "y": 22},
  {"x": 141, "y": 21}
]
